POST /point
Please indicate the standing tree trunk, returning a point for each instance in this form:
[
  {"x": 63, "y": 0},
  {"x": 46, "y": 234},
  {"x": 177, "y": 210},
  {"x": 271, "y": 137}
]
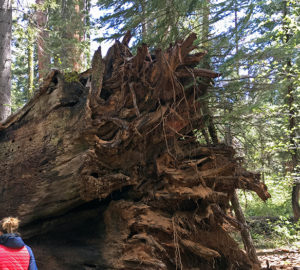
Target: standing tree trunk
[
  {"x": 87, "y": 32},
  {"x": 43, "y": 55},
  {"x": 71, "y": 16},
  {"x": 143, "y": 19},
  {"x": 295, "y": 200},
  {"x": 30, "y": 63},
  {"x": 5, "y": 58},
  {"x": 206, "y": 64},
  {"x": 292, "y": 125},
  {"x": 79, "y": 35},
  {"x": 294, "y": 150}
]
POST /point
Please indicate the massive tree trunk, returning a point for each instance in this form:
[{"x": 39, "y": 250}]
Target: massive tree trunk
[
  {"x": 5, "y": 58},
  {"x": 105, "y": 172}
]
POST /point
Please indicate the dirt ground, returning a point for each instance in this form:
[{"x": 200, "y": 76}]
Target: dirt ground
[{"x": 279, "y": 258}]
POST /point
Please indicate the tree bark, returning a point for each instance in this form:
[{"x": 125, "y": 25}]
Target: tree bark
[
  {"x": 79, "y": 36},
  {"x": 108, "y": 164},
  {"x": 295, "y": 201},
  {"x": 30, "y": 64},
  {"x": 43, "y": 55},
  {"x": 71, "y": 16},
  {"x": 5, "y": 58},
  {"x": 87, "y": 33},
  {"x": 292, "y": 125},
  {"x": 142, "y": 4}
]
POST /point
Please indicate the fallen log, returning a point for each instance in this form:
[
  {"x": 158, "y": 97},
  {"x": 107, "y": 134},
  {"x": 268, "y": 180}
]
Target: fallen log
[{"x": 105, "y": 172}]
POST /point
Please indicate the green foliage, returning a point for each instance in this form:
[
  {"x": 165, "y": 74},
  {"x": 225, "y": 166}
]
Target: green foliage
[
  {"x": 279, "y": 186},
  {"x": 71, "y": 77},
  {"x": 287, "y": 230},
  {"x": 68, "y": 34},
  {"x": 23, "y": 36},
  {"x": 155, "y": 22},
  {"x": 254, "y": 44},
  {"x": 258, "y": 97},
  {"x": 67, "y": 42},
  {"x": 271, "y": 233}
]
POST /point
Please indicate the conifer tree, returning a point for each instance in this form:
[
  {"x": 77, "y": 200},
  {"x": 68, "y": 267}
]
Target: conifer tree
[
  {"x": 157, "y": 23},
  {"x": 5, "y": 58},
  {"x": 68, "y": 36},
  {"x": 42, "y": 37},
  {"x": 259, "y": 87},
  {"x": 290, "y": 100},
  {"x": 276, "y": 71},
  {"x": 30, "y": 62},
  {"x": 25, "y": 56}
]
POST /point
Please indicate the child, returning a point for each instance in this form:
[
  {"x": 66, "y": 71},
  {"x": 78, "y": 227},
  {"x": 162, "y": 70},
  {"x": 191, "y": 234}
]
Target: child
[{"x": 14, "y": 254}]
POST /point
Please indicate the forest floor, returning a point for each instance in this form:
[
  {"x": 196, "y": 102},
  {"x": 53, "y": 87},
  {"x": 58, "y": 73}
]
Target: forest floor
[{"x": 281, "y": 258}]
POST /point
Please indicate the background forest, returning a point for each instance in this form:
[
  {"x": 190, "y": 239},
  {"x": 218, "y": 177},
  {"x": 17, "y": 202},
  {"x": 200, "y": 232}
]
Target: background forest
[{"x": 253, "y": 44}]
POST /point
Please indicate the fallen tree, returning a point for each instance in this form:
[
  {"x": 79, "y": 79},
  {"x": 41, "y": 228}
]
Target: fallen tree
[{"x": 106, "y": 172}]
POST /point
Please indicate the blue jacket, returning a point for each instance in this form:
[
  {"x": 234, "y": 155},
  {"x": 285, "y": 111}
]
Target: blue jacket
[{"x": 14, "y": 241}]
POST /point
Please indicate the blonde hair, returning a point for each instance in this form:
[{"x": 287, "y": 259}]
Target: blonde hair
[{"x": 10, "y": 224}]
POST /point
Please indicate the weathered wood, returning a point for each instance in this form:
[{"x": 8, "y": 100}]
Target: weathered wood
[
  {"x": 97, "y": 74},
  {"x": 246, "y": 236},
  {"x": 193, "y": 73},
  {"x": 105, "y": 150}
]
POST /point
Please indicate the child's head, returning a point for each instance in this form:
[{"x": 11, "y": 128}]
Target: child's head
[{"x": 9, "y": 225}]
